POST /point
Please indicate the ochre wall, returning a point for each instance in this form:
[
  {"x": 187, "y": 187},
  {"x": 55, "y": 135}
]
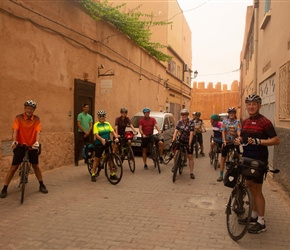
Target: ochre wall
[{"x": 214, "y": 99}]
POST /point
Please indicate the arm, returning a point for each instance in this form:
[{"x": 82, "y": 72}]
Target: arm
[
  {"x": 191, "y": 137},
  {"x": 14, "y": 136},
  {"x": 80, "y": 127},
  {"x": 158, "y": 129},
  {"x": 174, "y": 135},
  {"x": 134, "y": 131}
]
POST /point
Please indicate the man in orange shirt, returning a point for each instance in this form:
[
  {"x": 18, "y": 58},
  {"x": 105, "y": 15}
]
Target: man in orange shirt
[{"x": 26, "y": 130}]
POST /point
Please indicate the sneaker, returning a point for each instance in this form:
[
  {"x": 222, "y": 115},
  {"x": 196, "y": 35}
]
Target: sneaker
[
  {"x": 257, "y": 228},
  {"x": 3, "y": 194},
  {"x": 43, "y": 189},
  {"x": 192, "y": 176},
  {"x": 202, "y": 154},
  {"x": 145, "y": 167},
  {"x": 220, "y": 178},
  {"x": 161, "y": 160},
  {"x": 172, "y": 169},
  {"x": 76, "y": 164},
  {"x": 93, "y": 179},
  {"x": 244, "y": 221},
  {"x": 114, "y": 177}
]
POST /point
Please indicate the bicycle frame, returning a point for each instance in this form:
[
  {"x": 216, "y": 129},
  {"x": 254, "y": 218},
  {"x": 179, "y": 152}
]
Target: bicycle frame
[
  {"x": 180, "y": 159},
  {"x": 154, "y": 151}
]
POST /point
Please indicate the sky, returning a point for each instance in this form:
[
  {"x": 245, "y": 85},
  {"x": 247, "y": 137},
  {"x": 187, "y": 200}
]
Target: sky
[{"x": 217, "y": 28}]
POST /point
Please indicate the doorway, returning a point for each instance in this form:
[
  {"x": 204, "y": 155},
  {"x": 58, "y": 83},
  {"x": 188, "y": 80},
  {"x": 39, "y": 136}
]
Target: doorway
[{"x": 84, "y": 92}]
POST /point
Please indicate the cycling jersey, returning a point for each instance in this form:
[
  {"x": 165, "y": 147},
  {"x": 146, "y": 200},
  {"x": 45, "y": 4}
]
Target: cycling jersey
[
  {"x": 231, "y": 126},
  {"x": 27, "y": 128},
  {"x": 104, "y": 130},
  {"x": 122, "y": 124},
  {"x": 217, "y": 134},
  {"x": 147, "y": 125},
  {"x": 198, "y": 123},
  {"x": 184, "y": 130},
  {"x": 257, "y": 127}
]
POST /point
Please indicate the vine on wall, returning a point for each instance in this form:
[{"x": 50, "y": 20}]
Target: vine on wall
[{"x": 129, "y": 24}]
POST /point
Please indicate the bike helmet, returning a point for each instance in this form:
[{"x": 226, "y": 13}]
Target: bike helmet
[
  {"x": 101, "y": 112},
  {"x": 253, "y": 98},
  {"x": 232, "y": 109},
  {"x": 215, "y": 117},
  {"x": 146, "y": 110},
  {"x": 123, "y": 110},
  {"x": 198, "y": 114},
  {"x": 193, "y": 113},
  {"x": 30, "y": 103},
  {"x": 184, "y": 111}
]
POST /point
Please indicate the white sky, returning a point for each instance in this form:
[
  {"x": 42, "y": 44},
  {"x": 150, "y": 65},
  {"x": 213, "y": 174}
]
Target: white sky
[{"x": 217, "y": 28}]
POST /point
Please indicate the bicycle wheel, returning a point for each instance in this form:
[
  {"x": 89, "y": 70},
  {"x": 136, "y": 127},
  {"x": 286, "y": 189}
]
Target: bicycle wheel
[
  {"x": 156, "y": 160},
  {"x": 131, "y": 159},
  {"x": 90, "y": 165},
  {"x": 212, "y": 155},
  {"x": 167, "y": 154},
  {"x": 216, "y": 160},
  {"x": 177, "y": 163},
  {"x": 238, "y": 207},
  {"x": 23, "y": 179},
  {"x": 113, "y": 169}
]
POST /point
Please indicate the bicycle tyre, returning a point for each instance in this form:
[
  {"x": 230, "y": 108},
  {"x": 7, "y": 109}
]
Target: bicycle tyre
[
  {"x": 239, "y": 207},
  {"x": 216, "y": 160},
  {"x": 131, "y": 159},
  {"x": 177, "y": 163},
  {"x": 183, "y": 160},
  {"x": 157, "y": 160},
  {"x": 167, "y": 154},
  {"x": 23, "y": 180},
  {"x": 90, "y": 165},
  {"x": 117, "y": 166}
]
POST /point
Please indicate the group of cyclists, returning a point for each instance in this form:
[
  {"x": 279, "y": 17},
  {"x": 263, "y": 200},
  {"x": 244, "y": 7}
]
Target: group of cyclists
[{"x": 257, "y": 132}]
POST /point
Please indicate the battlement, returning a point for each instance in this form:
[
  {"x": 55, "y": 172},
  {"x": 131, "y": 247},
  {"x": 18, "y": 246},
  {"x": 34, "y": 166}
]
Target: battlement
[{"x": 218, "y": 87}]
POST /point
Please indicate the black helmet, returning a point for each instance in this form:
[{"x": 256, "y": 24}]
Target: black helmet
[
  {"x": 253, "y": 98},
  {"x": 232, "y": 109},
  {"x": 198, "y": 114},
  {"x": 30, "y": 103}
]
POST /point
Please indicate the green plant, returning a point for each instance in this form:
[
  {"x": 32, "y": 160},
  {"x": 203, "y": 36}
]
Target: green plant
[{"x": 129, "y": 24}]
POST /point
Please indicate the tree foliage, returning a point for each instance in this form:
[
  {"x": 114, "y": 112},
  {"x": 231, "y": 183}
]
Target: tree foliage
[{"x": 129, "y": 24}]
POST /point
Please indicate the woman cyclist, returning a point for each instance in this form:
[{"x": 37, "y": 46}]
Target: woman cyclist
[
  {"x": 217, "y": 134},
  {"x": 185, "y": 129}
]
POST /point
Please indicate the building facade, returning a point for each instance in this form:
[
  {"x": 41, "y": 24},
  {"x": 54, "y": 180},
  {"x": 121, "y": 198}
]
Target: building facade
[
  {"x": 177, "y": 37},
  {"x": 265, "y": 70},
  {"x": 60, "y": 57}
]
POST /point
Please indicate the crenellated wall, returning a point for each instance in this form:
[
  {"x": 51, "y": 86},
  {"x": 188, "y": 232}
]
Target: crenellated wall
[{"x": 214, "y": 99}]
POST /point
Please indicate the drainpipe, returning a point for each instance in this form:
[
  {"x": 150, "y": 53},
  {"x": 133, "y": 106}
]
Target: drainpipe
[{"x": 256, "y": 30}]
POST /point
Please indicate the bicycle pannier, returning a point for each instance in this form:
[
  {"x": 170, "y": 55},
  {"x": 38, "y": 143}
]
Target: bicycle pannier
[
  {"x": 231, "y": 175},
  {"x": 87, "y": 151},
  {"x": 252, "y": 167}
]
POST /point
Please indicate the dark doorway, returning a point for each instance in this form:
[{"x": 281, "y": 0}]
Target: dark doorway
[{"x": 84, "y": 93}]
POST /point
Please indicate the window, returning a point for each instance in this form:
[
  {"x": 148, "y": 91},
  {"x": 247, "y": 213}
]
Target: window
[{"x": 284, "y": 93}]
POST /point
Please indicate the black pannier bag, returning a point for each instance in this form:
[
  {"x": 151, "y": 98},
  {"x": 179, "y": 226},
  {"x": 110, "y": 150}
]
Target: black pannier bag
[
  {"x": 252, "y": 167},
  {"x": 232, "y": 174}
]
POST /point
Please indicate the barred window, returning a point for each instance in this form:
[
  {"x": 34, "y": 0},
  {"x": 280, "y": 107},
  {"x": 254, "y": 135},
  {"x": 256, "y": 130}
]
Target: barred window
[{"x": 284, "y": 92}]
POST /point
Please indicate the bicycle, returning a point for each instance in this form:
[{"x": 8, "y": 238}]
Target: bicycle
[
  {"x": 154, "y": 151},
  {"x": 110, "y": 162},
  {"x": 180, "y": 159},
  {"x": 125, "y": 151},
  {"x": 168, "y": 153},
  {"x": 214, "y": 156},
  {"x": 24, "y": 170},
  {"x": 239, "y": 206}
]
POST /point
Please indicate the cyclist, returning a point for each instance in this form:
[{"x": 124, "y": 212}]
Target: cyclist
[
  {"x": 259, "y": 133},
  {"x": 185, "y": 129},
  {"x": 231, "y": 129},
  {"x": 199, "y": 128},
  {"x": 102, "y": 132},
  {"x": 85, "y": 124},
  {"x": 122, "y": 122},
  {"x": 217, "y": 134},
  {"x": 146, "y": 127},
  {"x": 26, "y": 130}
]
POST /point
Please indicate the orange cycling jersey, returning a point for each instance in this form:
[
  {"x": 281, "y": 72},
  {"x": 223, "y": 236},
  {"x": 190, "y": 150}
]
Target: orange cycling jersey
[{"x": 27, "y": 128}]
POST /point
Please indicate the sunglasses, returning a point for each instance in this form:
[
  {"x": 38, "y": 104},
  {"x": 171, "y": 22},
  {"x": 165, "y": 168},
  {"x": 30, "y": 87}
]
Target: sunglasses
[
  {"x": 100, "y": 116},
  {"x": 184, "y": 114}
]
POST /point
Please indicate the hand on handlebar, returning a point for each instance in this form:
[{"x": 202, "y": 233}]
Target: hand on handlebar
[
  {"x": 14, "y": 144},
  {"x": 254, "y": 141},
  {"x": 35, "y": 145}
]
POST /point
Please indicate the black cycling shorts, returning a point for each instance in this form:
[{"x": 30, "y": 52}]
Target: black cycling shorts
[{"x": 19, "y": 153}]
